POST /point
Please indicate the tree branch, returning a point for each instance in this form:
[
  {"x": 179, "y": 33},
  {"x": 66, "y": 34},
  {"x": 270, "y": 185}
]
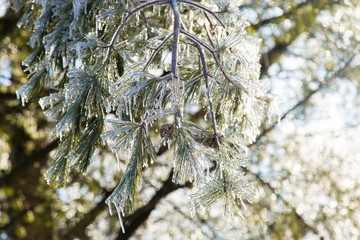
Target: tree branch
[
  {"x": 174, "y": 60},
  {"x": 8, "y": 23},
  {"x": 287, "y": 204},
  {"x": 134, "y": 221},
  {"x": 303, "y": 16},
  {"x": 78, "y": 230},
  {"x": 4, "y": 96},
  {"x": 289, "y": 14},
  {"x": 305, "y": 99},
  {"x": 19, "y": 215},
  {"x": 38, "y": 155},
  {"x": 176, "y": 33},
  {"x": 300, "y": 103}
]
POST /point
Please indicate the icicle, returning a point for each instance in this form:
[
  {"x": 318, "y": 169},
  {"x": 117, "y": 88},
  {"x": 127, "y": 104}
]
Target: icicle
[
  {"x": 97, "y": 27},
  {"x": 205, "y": 117},
  {"x": 168, "y": 143},
  {"x": 60, "y": 135},
  {"x": 192, "y": 211},
  {"x": 134, "y": 100},
  {"x": 118, "y": 161},
  {"x": 22, "y": 98},
  {"x": 119, "y": 211},
  {"x": 85, "y": 7},
  {"x": 110, "y": 208},
  {"x": 130, "y": 111}
]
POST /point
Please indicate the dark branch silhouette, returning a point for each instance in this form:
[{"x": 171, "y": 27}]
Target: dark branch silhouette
[{"x": 134, "y": 221}]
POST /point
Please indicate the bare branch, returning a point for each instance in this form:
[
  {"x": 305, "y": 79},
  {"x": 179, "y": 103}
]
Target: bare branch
[
  {"x": 287, "y": 204},
  {"x": 297, "y": 14},
  {"x": 332, "y": 76}
]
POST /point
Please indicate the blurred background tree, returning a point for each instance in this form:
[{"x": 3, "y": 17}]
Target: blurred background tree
[{"x": 305, "y": 167}]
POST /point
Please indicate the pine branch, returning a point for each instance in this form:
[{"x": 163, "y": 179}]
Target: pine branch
[
  {"x": 176, "y": 33},
  {"x": 287, "y": 204},
  {"x": 196, "y": 40},
  {"x": 213, "y": 53},
  {"x": 194, "y": 80},
  {"x": 123, "y": 196}
]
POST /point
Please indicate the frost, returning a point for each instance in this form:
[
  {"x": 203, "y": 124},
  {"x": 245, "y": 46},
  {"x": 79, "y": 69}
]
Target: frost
[
  {"x": 123, "y": 196},
  {"x": 232, "y": 187},
  {"x": 52, "y": 105},
  {"x": 123, "y": 135},
  {"x": 190, "y": 159},
  {"x": 79, "y": 6},
  {"x": 26, "y": 91}
]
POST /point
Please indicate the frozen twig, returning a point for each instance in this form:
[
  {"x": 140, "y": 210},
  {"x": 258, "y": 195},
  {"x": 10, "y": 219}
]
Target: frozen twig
[
  {"x": 125, "y": 21},
  {"x": 205, "y": 9},
  {"x": 206, "y": 78},
  {"x": 174, "y": 60},
  {"x": 156, "y": 50}
]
